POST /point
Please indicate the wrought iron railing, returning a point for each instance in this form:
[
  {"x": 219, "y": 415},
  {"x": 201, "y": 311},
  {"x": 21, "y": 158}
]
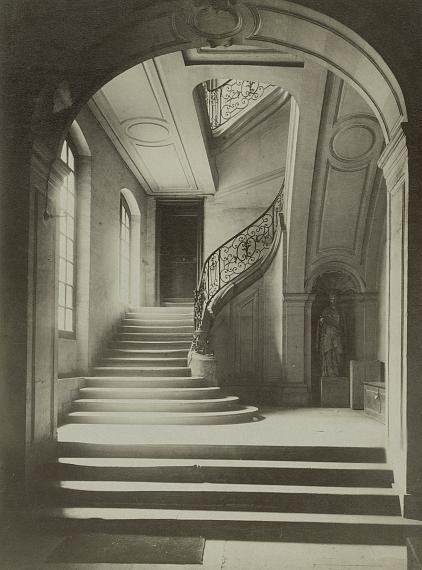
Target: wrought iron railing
[
  {"x": 227, "y": 100},
  {"x": 233, "y": 258}
]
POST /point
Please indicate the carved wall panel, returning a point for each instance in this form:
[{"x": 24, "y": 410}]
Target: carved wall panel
[
  {"x": 149, "y": 113},
  {"x": 245, "y": 326},
  {"x": 346, "y": 179}
]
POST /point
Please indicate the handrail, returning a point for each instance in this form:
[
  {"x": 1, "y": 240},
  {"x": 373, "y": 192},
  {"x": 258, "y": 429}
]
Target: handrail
[
  {"x": 229, "y": 99},
  {"x": 230, "y": 260}
]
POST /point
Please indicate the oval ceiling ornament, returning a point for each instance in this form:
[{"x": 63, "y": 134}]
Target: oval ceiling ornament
[
  {"x": 218, "y": 21},
  {"x": 148, "y": 131},
  {"x": 353, "y": 143}
]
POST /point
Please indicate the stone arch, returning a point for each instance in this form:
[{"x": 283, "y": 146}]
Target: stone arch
[
  {"x": 347, "y": 277},
  {"x": 165, "y": 27},
  {"x": 79, "y": 140},
  {"x": 276, "y": 23}
]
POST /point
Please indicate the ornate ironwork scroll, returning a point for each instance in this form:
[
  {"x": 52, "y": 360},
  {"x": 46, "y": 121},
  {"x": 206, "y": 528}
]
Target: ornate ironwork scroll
[
  {"x": 227, "y": 100},
  {"x": 233, "y": 258}
]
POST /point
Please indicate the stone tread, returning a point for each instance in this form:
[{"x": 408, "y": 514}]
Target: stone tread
[
  {"x": 136, "y": 462},
  {"x": 244, "y": 410},
  {"x": 166, "y": 487},
  {"x": 152, "y": 401},
  {"x": 113, "y": 513}
]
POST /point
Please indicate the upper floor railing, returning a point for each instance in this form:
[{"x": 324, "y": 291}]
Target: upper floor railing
[
  {"x": 227, "y": 100},
  {"x": 231, "y": 260}
]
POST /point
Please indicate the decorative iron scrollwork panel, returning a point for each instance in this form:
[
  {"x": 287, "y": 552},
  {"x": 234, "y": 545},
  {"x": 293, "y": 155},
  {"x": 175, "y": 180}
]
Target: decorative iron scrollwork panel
[{"x": 231, "y": 259}]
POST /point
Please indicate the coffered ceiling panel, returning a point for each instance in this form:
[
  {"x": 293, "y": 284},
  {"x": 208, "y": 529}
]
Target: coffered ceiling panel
[
  {"x": 171, "y": 179},
  {"x": 139, "y": 110},
  {"x": 349, "y": 145},
  {"x": 339, "y": 224}
]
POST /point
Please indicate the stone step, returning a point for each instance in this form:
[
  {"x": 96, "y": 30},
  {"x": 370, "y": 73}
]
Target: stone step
[
  {"x": 236, "y": 525},
  {"x": 157, "y": 314},
  {"x": 163, "y": 329},
  {"x": 152, "y": 344},
  {"x": 170, "y": 303},
  {"x": 162, "y": 381},
  {"x": 148, "y": 393},
  {"x": 149, "y": 448},
  {"x": 269, "y": 498},
  {"x": 151, "y": 353},
  {"x": 244, "y": 414},
  {"x": 168, "y": 310},
  {"x": 155, "y": 405},
  {"x": 144, "y": 361},
  {"x": 154, "y": 336},
  {"x": 157, "y": 322},
  {"x": 223, "y": 471},
  {"x": 141, "y": 371}
]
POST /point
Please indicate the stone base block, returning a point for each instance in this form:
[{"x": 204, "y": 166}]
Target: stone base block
[
  {"x": 362, "y": 371},
  {"x": 295, "y": 396},
  {"x": 204, "y": 365},
  {"x": 335, "y": 392}
]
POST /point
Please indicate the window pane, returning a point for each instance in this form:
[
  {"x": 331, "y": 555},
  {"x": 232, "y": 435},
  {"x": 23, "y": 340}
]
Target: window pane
[
  {"x": 69, "y": 251},
  {"x": 70, "y": 159},
  {"x": 69, "y": 273},
  {"x": 69, "y": 320},
  {"x": 71, "y": 204},
  {"x": 62, "y": 270},
  {"x": 67, "y": 204},
  {"x": 62, "y": 248},
  {"x": 62, "y": 298},
  {"x": 64, "y": 152},
  {"x": 69, "y": 229},
  {"x": 61, "y": 318},
  {"x": 69, "y": 296}
]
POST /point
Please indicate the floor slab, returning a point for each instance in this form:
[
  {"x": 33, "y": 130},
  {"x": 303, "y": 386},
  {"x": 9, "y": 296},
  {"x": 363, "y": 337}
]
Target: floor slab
[{"x": 301, "y": 427}]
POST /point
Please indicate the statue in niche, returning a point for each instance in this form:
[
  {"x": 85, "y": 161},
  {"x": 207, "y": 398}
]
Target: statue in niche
[{"x": 330, "y": 339}]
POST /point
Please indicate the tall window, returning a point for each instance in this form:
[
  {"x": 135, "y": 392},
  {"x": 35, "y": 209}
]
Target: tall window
[
  {"x": 125, "y": 223},
  {"x": 67, "y": 273}
]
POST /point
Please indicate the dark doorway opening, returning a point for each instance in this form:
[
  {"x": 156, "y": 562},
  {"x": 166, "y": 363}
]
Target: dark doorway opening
[{"x": 179, "y": 247}]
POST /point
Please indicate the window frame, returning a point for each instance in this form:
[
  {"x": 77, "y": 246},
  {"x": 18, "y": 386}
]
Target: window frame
[
  {"x": 123, "y": 204},
  {"x": 71, "y": 334}
]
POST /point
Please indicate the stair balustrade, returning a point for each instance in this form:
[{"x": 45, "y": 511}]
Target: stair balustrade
[
  {"x": 236, "y": 260},
  {"x": 228, "y": 100}
]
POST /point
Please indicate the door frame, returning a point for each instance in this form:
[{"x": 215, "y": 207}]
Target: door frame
[{"x": 161, "y": 203}]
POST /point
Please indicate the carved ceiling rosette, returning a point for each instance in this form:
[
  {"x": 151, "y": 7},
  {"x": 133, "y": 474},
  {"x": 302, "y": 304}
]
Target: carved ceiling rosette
[{"x": 219, "y": 23}]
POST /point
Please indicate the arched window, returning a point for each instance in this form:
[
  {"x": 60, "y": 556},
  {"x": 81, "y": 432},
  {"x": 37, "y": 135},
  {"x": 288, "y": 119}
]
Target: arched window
[
  {"x": 67, "y": 261},
  {"x": 125, "y": 229}
]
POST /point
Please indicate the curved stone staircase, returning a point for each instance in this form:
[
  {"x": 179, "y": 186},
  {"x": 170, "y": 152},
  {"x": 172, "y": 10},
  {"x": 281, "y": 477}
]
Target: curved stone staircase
[{"x": 144, "y": 379}]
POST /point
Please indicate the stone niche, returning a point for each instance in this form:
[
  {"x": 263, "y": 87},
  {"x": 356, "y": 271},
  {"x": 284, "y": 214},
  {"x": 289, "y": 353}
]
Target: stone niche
[{"x": 345, "y": 290}]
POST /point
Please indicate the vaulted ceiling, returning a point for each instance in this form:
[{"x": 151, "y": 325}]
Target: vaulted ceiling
[{"x": 156, "y": 117}]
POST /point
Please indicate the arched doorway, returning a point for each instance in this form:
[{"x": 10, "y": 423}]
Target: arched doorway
[{"x": 341, "y": 51}]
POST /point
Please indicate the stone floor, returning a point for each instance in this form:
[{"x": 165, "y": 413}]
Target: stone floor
[
  {"x": 302, "y": 426},
  {"x": 29, "y": 549}
]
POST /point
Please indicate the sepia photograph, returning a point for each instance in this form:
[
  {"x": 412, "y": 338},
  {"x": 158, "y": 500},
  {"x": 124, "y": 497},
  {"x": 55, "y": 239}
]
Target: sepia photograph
[{"x": 211, "y": 284}]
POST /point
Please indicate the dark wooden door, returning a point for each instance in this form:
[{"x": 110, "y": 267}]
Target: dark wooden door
[{"x": 180, "y": 248}]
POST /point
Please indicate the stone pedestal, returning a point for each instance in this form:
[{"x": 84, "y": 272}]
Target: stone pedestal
[
  {"x": 362, "y": 371},
  {"x": 335, "y": 392},
  {"x": 203, "y": 365}
]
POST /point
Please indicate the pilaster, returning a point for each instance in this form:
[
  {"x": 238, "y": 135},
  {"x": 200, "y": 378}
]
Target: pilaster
[
  {"x": 394, "y": 163},
  {"x": 47, "y": 174},
  {"x": 83, "y": 260},
  {"x": 297, "y": 342}
]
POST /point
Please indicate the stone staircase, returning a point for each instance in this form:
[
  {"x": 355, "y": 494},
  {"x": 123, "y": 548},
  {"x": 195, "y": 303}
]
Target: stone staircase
[
  {"x": 144, "y": 378},
  {"x": 291, "y": 493},
  {"x": 130, "y": 460}
]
